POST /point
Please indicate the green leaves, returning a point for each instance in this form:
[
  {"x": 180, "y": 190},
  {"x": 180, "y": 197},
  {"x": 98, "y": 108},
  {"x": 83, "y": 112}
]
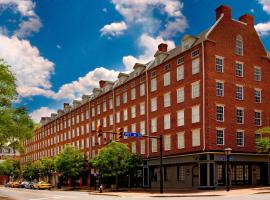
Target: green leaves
[
  {"x": 70, "y": 162},
  {"x": 115, "y": 159},
  {"x": 10, "y": 167},
  {"x": 263, "y": 144}
]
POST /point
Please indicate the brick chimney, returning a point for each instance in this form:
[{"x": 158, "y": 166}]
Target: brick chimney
[
  {"x": 248, "y": 19},
  {"x": 102, "y": 83},
  {"x": 162, "y": 47},
  {"x": 66, "y": 105},
  {"x": 226, "y": 10}
]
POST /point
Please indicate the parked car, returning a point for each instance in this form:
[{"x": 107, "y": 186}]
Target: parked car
[
  {"x": 15, "y": 184},
  {"x": 22, "y": 184},
  {"x": 42, "y": 185},
  {"x": 29, "y": 185}
]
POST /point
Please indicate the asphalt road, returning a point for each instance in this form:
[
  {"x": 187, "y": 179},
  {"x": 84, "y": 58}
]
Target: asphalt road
[{"x": 24, "y": 194}]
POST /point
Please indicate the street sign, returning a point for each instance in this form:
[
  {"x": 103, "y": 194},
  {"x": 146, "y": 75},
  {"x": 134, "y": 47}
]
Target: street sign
[{"x": 131, "y": 134}]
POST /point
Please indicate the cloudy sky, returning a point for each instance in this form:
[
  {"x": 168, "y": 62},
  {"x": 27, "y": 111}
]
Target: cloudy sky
[{"x": 60, "y": 49}]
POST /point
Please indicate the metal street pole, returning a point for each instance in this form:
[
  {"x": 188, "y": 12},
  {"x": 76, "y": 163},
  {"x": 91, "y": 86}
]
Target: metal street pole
[
  {"x": 227, "y": 164},
  {"x": 161, "y": 163}
]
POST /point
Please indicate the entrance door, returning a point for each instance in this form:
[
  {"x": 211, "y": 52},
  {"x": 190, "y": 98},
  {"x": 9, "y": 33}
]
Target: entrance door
[
  {"x": 145, "y": 177},
  {"x": 203, "y": 174},
  {"x": 195, "y": 176}
]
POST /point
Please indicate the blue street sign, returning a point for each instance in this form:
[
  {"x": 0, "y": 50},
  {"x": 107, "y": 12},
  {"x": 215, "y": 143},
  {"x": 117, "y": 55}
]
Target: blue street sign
[{"x": 130, "y": 134}]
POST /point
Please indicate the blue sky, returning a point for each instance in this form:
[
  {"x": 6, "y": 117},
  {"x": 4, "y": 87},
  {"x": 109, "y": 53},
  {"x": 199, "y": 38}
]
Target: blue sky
[{"x": 59, "y": 49}]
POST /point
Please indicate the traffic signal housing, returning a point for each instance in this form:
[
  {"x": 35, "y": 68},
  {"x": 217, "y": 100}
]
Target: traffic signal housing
[
  {"x": 99, "y": 130},
  {"x": 120, "y": 133}
]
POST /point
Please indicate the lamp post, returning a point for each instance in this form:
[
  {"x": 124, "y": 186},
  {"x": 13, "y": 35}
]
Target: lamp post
[{"x": 228, "y": 152}]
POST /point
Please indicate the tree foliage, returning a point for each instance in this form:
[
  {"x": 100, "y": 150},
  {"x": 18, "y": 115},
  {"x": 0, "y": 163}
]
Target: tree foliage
[
  {"x": 115, "y": 159},
  {"x": 47, "y": 167},
  {"x": 263, "y": 144},
  {"x": 70, "y": 162},
  {"x": 15, "y": 124},
  {"x": 31, "y": 171},
  {"x": 10, "y": 167}
]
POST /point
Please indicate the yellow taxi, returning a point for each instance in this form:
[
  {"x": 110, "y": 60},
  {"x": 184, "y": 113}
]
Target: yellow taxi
[
  {"x": 15, "y": 184},
  {"x": 42, "y": 185}
]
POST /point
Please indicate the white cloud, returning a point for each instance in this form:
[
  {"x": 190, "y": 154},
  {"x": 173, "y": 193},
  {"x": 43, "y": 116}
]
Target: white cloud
[
  {"x": 41, "y": 112},
  {"x": 263, "y": 28},
  {"x": 84, "y": 85},
  {"x": 113, "y": 29},
  {"x": 32, "y": 71},
  {"x": 142, "y": 12},
  {"x": 266, "y": 5},
  {"x": 149, "y": 45},
  {"x": 104, "y": 10},
  {"x": 58, "y": 46},
  {"x": 31, "y": 22}
]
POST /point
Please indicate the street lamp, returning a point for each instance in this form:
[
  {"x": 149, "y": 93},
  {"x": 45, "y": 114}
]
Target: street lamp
[{"x": 228, "y": 152}]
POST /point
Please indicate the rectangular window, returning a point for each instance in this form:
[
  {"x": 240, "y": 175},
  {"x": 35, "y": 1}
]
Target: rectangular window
[
  {"x": 125, "y": 97},
  {"x": 153, "y": 84},
  {"x": 181, "y": 173},
  {"x": 104, "y": 106},
  {"x": 219, "y": 64},
  {"x": 153, "y": 104},
  {"x": 195, "y": 53},
  {"x": 180, "y": 95},
  {"x": 180, "y": 73},
  {"x": 133, "y": 93},
  {"x": 142, "y": 108},
  {"x": 93, "y": 126},
  {"x": 133, "y": 111},
  {"x": 110, "y": 103},
  {"x": 133, "y": 128},
  {"x": 196, "y": 140},
  {"x": 142, "y": 127},
  {"x": 195, "y": 114},
  {"x": 118, "y": 117},
  {"x": 125, "y": 115},
  {"x": 98, "y": 109},
  {"x": 117, "y": 100},
  {"x": 239, "y": 92},
  {"x": 154, "y": 125},
  {"x": 181, "y": 140},
  {"x": 219, "y": 89},
  {"x": 240, "y": 115},
  {"x": 142, "y": 89},
  {"x": 167, "y": 79},
  {"x": 240, "y": 138},
  {"x": 180, "y": 61},
  {"x": 220, "y": 136},
  {"x": 142, "y": 142},
  {"x": 104, "y": 122},
  {"x": 220, "y": 113},
  {"x": 257, "y": 74},
  {"x": 195, "y": 66},
  {"x": 111, "y": 120},
  {"x": 167, "y": 121},
  {"x": 93, "y": 113},
  {"x": 167, "y": 100},
  {"x": 133, "y": 147},
  {"x": 167, "y": 142},
  {"x": 195, "y": 87},
  {"x": 154, "y": 145},
  {"x": 181, "y": 118},
  {"x": 258, "y": 118},
  {"x": 258, "y": 95},
  {"x": 239, "y": 69}
]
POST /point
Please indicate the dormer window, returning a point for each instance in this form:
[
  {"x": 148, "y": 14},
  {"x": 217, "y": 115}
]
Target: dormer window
[
  {"x": 195, "y": 53},
  {"x": 167, "y": 67},
  {"x": 239, "y": 45}
]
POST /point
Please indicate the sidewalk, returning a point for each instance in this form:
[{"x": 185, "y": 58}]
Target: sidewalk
[{"x": 188, "y": 193}]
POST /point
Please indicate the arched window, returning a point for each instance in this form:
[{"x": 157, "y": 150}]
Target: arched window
[{"x": 239, "y": 45}]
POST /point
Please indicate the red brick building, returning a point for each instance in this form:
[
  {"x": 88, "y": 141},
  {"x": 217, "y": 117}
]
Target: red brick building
[{"x": 209, "y": 93}]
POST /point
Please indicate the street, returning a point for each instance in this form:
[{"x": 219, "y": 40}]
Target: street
[{"x": 23, "y": 194}]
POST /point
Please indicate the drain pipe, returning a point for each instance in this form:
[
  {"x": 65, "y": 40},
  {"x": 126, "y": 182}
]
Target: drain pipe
[{"x": 203, "y": 71}]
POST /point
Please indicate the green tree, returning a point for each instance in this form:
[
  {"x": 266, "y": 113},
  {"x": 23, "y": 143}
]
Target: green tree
[
  {"x": 11, "y": 168},
  {"x": 263, "y": 143},
  {"x": 69, "y": 162},
  {"x": 47, "y": 167},
  {"x": 15, "y": 124},
  {"x": 31, "y": 171}
]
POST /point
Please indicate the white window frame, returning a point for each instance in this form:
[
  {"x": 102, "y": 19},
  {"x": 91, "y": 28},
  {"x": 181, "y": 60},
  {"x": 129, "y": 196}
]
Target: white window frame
[
  {"x": 180, "y": 73},
  {"x": 180, "y": 95},
  {"x": 181, "y": 140},
  {"x": 167, "y": 121},
  {"x": 166, "y": 79},
  {"x": 196, "y": 137},
  {"x": 195, "y": 114},
  {"x": 167, "y": 100},
  {"x": 181, "y": 117},
  {"x": 195, "y": 89}
]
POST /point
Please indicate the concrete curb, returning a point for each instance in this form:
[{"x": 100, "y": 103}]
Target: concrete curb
[{"x": 103, "y": 194}]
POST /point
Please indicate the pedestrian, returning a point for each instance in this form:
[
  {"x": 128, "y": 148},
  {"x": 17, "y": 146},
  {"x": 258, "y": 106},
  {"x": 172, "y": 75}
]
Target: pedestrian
[{"x": 100, "y": 188}]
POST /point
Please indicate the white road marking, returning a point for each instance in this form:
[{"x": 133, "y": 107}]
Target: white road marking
[{"x": 48, "y": 198}]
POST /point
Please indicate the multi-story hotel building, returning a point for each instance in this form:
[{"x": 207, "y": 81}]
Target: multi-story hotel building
[{"x": 210, "y": 93}]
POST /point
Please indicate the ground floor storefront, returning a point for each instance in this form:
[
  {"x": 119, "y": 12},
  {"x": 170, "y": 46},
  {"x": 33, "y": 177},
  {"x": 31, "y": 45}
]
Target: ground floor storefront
[{"x": 207, "y": 170}]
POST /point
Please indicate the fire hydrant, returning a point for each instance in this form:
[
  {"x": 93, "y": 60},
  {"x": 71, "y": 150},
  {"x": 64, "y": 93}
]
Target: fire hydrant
[{"x": 100, "y": 188}]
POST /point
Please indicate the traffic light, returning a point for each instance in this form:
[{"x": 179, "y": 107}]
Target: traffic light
[
  {"x": 99, "y": 130},
  {"x": 120, "y": 133}
]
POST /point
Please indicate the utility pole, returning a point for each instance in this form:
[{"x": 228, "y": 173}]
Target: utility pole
[{"x": 161, "y": 163}]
